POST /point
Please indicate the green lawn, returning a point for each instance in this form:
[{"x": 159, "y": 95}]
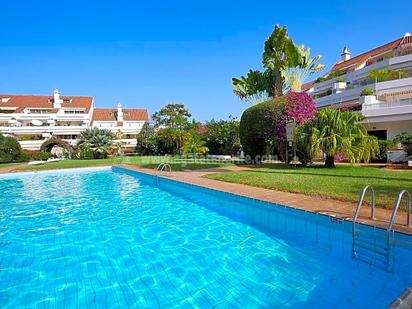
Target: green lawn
[
  {"x": 177, "y": 164},
  {"x": 342, "y": 183}
]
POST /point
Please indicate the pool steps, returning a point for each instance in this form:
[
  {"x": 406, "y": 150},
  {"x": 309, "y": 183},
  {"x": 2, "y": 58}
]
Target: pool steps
[{"x": 378, "y": 250}]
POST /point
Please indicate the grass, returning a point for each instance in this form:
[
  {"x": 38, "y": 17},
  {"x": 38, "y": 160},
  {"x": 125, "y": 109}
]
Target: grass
[
  {"x": 177, "y": 164},
  {"x": 342, "y": 183}
]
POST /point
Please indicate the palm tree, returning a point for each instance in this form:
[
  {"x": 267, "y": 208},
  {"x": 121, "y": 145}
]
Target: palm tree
[
  {"x": 100, "y": 141},
  {"x": 255, "y": 87},
  {"x": 300, "y": 66},
  {"x": 286, "y": 65},
  {"x": 335, "y": 132},
  {"x": 275, "y": 56}
]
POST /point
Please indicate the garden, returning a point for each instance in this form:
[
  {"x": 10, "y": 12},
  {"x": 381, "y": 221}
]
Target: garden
[{"x": 305, "y": 155}]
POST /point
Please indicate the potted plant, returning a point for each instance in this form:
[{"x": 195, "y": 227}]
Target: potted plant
[
  {"x": 367, "y": 96},
  {"x": 339, "y": 84},
  {"x": 406, "y": 141}
]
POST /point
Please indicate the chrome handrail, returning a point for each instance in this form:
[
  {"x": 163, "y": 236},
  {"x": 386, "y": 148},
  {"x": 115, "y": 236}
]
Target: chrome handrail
[
  {"x": 164, "y": 167},
  {"x": 357, "y": 211},
  {"x": 395, "y": 209},
  {"x": 361, "y": 199}
]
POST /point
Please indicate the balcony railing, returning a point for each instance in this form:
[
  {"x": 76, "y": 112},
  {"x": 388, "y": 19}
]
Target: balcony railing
[
  {"x": 383, "y": 104},
  {"x": 41, "y": 129}
]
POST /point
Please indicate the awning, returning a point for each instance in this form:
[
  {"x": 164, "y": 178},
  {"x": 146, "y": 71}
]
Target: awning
[{"x": 36, "y": 122}]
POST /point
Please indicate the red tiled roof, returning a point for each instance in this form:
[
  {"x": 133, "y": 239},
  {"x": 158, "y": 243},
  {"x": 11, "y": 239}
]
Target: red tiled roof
[
  {"x": 37, "y": 101},
  {"x": 353, "y": 63},
  {"x": 305, "y": 87},
  {"x": 109, "y": 114}
]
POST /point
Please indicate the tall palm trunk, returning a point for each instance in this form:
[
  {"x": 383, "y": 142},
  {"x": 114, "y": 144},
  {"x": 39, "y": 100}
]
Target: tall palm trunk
[
  {"x": 329, "y": 161},
  {"x": 278, "y": 84}
]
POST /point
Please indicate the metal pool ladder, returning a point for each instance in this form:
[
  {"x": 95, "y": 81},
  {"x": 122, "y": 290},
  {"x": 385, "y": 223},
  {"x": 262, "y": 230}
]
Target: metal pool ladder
[
  {"x": 369, "y": 247},
  {"x": 164, "y": 168}
]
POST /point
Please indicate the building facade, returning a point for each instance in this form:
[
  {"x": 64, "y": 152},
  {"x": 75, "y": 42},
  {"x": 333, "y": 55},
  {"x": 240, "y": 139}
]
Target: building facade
[
  {"x": 388, "y": 108},
  {"x": 33, "y": 119}
]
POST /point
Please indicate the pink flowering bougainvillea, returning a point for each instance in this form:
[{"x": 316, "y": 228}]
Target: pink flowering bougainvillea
[{"x": 300, "y": 106}]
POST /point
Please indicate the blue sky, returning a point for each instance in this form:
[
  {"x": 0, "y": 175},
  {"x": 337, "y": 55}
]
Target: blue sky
[{"x": 149, "y": 53}]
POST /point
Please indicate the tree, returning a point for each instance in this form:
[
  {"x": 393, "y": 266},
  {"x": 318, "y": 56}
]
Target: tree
[
  {"x": 255, "y": 87},
  {"x": 172, "y": 116},
  {"x": 286, "y": 65},
  {"x": 300, "y": 66},
  {"x": 194, "y": 145},
  {"x": 173, "y": 123},
  {"x": 275, "y": 56},
  {"x": 335, "y": 132},
  {"x": 222, "y": 137},
  {"x": 10, "y": 150},
  {"x": 146, "y": 140},
  {"x": 99, "y": 141}
]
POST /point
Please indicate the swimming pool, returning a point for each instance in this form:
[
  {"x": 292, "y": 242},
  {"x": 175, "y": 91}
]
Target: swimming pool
[{"x": 117, "y": 238}]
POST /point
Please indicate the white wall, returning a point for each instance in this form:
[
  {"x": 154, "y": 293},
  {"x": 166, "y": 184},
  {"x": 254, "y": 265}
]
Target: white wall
[{"x": 393, "y": 128}]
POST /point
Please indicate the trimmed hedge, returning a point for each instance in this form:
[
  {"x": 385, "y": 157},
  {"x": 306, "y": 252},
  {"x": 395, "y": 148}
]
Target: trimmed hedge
[{"x": 260, "y": 125}]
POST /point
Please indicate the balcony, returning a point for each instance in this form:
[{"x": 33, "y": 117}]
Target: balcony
[
  {"x": 386, "y": 89},
  {"x": 344, "y": 97},
  {"x": 62, "y": 130},
  {"x": 388, "y": 111}
]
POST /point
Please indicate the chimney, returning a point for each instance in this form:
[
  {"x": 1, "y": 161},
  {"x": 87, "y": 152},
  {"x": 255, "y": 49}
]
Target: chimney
[
  {"x": 345, "y": 54},
  {"x": 119, "y": 112},
  {"x": 56, "y": 99}
]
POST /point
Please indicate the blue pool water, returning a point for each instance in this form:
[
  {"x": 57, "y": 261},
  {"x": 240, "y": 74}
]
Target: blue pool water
[{"x": 114, "y": 238}]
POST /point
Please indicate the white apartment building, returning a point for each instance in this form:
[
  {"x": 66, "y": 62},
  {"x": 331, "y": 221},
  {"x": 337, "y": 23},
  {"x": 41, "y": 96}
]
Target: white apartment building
[
  {"x": 389, "y": 111},
  {"x": 32, "y": 119}
]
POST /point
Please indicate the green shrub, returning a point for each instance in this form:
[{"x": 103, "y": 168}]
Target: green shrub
[
  {"x": 222, "y": 137},
  {"x": 260, "y": 125},
  {"x": 383, "y": 75},
  {"x": 406, "y": 141},
  {"x": 367, "y": 91},
  {"x": 340, "y": 79},
  {"x": 86, "y": 153},
  {"x": 10, "y": 150},
  {"x": 320, "y": 79},
  {"x": 384, "y": 146},
  {"x": 146, "y": 141},
  {"x": 35, "y": 155}
]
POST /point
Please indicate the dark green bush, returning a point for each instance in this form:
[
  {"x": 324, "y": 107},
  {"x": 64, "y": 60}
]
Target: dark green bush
[
  {"x": 10, "y": 150},
  {"x": 146, "y": 141},
  {"x": 406, "y": 141},
  {"x": 222, "y": 137},
  {"x": 260, "y": 126},
  {"x": 35, "y": 155},
  {"x": 367, "y": 91},
  {"x": 86, "y": 153},
  {"x": 384, "y": 146}
]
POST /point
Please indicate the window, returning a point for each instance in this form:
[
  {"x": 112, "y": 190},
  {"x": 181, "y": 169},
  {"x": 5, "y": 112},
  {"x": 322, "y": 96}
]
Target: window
[
  {"x": 74, "y": 112},
  {"x": 40, "y": 111},
  {"x": 67, "y": 101}
]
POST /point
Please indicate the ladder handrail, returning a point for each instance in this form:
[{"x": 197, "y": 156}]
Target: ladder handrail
[
  {"x": 361, "y": 199},
  {"x": 163, "y": 167},
  {"x": 395, "y": 209}
]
